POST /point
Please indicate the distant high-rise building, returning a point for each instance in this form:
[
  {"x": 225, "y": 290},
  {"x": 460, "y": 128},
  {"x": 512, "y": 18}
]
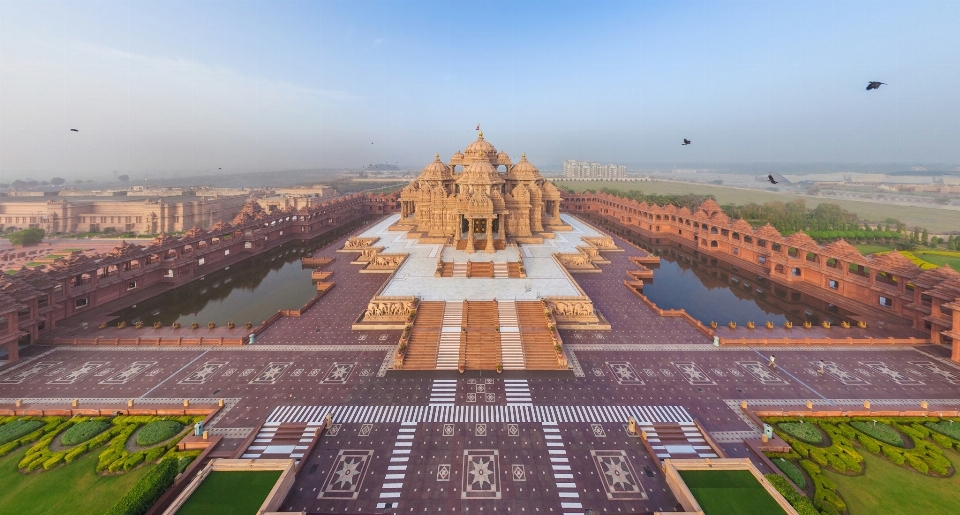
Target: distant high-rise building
[{"x": 573, "y": 169}]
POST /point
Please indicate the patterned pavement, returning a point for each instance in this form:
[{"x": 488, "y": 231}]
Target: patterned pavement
[{"x": 517, "y": 442}]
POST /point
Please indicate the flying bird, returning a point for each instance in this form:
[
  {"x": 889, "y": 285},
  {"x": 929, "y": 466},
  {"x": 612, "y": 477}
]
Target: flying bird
[
  {"x": 875, "y": 85},
  {"x": 772, "y": 180},
  {"x": 74, "y": 130},
  {"x": 686, "y": 141}
]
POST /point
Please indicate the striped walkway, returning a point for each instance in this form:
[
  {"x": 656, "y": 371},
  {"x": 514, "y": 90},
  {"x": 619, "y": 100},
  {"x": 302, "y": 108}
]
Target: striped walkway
[
  {"x": 480, "y": 414},
  {"x": 444, "y": 392},
  {"x": 566, "y": 488},
  {"x": 517, "y": 392},
  {"x": 393, "y": 480}
]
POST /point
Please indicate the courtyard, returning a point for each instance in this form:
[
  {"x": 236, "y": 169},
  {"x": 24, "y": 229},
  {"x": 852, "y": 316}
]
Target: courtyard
[{"x": 442, "y": 441}]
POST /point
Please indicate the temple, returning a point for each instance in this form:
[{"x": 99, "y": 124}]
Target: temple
[{"x": 442, "y": 205}]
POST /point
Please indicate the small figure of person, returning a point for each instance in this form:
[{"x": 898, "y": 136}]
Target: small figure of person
[
  {"x": 821, "y": 369},
  {"x": 773, "y": 362}
]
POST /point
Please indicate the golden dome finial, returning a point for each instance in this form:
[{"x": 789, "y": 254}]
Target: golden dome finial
[
  {"x": 437, "y": 155},
  {"x": 523, "y": 155},
  {"x": 481, "y": 135}
]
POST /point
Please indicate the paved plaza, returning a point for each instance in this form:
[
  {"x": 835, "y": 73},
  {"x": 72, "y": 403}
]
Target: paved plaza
[{"x": 519, "y": 442}]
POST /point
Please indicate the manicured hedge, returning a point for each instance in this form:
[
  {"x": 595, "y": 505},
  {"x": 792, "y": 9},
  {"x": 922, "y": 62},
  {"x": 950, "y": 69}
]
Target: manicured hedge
[
  {"x": 792, "y": 471},
  {"x": 17, "y": 429},
  {"x": 146, "y": 492},
  {"x": 801, "y": 503},
  {"x": 156, "y": 432},
  {"x": 83, "y": 431},
  {"x": 804, "y": 432},
  {"x": 945, "y": 427},
  {"x": 880, "y": 431}
]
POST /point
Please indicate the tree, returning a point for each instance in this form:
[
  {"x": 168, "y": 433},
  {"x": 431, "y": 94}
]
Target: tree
[
  {"x": 56, "y": 181},
  {"x": 925, "y": 237},
  {"x": 123, "y": 178},
  {"x": 27, "y": 236}
]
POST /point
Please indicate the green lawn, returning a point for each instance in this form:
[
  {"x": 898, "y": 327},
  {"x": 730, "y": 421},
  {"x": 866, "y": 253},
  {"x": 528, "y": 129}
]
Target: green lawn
[
  {"x": 729, "y": 492},
  {"x": 230, "y": 493},
  {"x": 892, "y": 490},
  {"x": 936, "y": 220},
  {"x": 71, "y": 489},
  {"x": 867, "y": 249},
  {"x": 954, "y": 262}
]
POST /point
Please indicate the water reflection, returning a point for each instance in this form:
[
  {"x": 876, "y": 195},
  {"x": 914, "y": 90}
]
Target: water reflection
[
  {"x": 714, "y": 290},
  {"x": 252, "y": 290}
]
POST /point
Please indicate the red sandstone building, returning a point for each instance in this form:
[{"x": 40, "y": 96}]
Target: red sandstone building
[
  {"x": 888, "y": 285},
  {"x": 33, "y": 300}
]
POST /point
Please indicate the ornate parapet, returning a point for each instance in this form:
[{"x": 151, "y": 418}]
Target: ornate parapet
[
  {"x": 384, "y": 263},
  {"x": 578, "y": 262},
  {"x": 593, "y": 253},
  {"x": 575, "y": 312},
  {"x": 604, "y": 243},
  {"x": 390, "y": 308},
  {"x": 357, "y": 243}
]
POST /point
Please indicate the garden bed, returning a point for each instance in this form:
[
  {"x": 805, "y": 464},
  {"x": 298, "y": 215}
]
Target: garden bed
[
  {"x": 159, "y": 432},
  {"x": 880, "y": 431},
  {"x": 804, "y": 431},
  {"x": 74, "y": 489},
  {"x": 912, "y": 444},
  {"x": 729, "y": 492},
  {"x": 229, "y": 493},
  {"x": 888, "y": 489}
]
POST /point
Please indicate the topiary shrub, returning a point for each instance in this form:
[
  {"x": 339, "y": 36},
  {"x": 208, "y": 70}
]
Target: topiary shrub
[
  {"x": 882, "y": 432},
  {"x": 83, "y": 431},
  {"x": 869, "y": 443},
  {"x": 895, "y": 455},
  {"x": 146, "y": 492},
  {"x": 803, "y": 432},
  {"x": 156, "y": 432},
  {"x": 799, "y": 502},
  {"x": 18, "y": 428},
  {"x": 791, "y": 471}
]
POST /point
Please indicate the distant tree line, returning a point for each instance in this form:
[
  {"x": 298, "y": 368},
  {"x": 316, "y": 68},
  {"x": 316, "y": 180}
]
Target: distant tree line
[{"x": 824, "y": 223}]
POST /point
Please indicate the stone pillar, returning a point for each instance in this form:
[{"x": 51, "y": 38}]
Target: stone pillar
[
  {"x": 470, "y": 248},
  {"x": 500, "y": 224},
  {"x": 490, "y": 248},
  {"x": 456, "y": 231}
]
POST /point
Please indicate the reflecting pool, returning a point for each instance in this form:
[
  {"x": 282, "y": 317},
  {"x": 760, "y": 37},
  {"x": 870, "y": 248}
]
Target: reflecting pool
[
  {"x": 252, "y": 290},
  {"x": 713, "y": 290}
]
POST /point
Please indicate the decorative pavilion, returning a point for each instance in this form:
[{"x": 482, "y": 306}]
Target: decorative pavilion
[{"x": 443, "y": 205}]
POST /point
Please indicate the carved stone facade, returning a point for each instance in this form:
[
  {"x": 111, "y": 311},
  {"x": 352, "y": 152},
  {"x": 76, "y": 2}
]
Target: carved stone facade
[
  {"x": 357, "y": 243},
  {"x": 480, "y": 200},
  {"x": 576, "y": 310},
  {"x": 389, "y": 309}
]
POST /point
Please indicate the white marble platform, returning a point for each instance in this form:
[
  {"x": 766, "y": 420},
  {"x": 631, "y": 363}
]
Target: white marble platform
[{"x": 416, "y": 275}]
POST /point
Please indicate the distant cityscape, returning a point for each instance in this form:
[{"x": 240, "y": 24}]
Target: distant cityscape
[{"x": 573, "y": 169}]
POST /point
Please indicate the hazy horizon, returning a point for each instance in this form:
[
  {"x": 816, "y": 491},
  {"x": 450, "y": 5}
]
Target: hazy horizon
[{"x": 196, "y": 87}]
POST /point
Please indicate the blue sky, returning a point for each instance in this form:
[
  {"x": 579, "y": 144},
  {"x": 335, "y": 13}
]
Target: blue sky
[{"x": 187, "y": 87}]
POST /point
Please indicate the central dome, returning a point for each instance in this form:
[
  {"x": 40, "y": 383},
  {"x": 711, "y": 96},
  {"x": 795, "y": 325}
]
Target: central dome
[
  {"x": 479, "y": 172},
  {"x": 480, "y": 149}
]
